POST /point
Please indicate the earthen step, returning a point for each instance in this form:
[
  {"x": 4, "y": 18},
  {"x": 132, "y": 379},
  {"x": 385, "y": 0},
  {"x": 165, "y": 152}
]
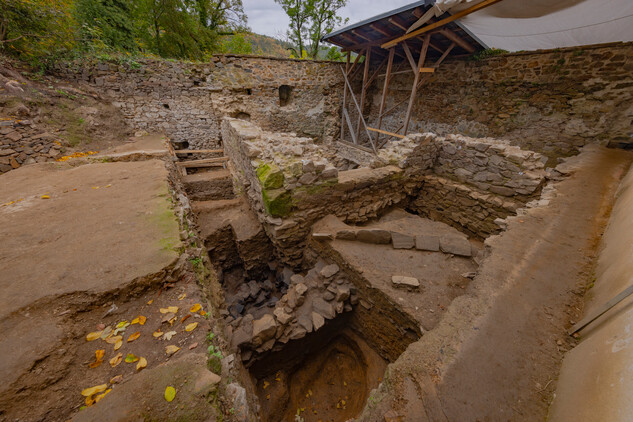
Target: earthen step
[
  {"x": 211, "y": 206},
  {"x": 210, "y": 185}
]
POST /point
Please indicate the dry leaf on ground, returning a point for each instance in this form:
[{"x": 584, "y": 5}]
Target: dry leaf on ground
[
  {"x": 134, "y": 336},
  {"x": 131, "y": 358},
  {"x": 93, "y": 336},
  {"x": 171, "y": 349},
  {"x": 116, "y": 360},
  {"x": 170, "y": 393},
  {"x": 195, "y": 308},
  {"x": 142, "y": 363},
  {"x": 169, "y": 310},
  {"x": 191, "y": 326},
  {"x": 93, "y": 390}
]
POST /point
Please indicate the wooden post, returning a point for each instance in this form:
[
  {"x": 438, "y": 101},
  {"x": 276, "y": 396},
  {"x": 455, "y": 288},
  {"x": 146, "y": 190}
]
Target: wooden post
[
  {"x": 385, "y": 88},
  {"x": 351, "y": 94},
  {"x": 362, "y": 92},
  {"x": 344, "y": 98},
  {"x": 416, "y": 79}
]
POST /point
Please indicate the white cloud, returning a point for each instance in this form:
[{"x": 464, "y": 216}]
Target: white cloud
[{"x": 268, "y": 18}]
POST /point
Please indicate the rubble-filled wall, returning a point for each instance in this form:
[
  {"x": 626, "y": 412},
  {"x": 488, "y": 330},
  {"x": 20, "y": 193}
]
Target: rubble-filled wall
[
  {"x": 468, "y": 183},
  {"x": 290, "y": 193},
  {"x": 187, "y": 101},
  {"x": 551, "y": 101}
]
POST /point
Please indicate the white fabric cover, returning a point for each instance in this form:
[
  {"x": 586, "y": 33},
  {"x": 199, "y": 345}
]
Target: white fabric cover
[{"x": 515, "y": 25}]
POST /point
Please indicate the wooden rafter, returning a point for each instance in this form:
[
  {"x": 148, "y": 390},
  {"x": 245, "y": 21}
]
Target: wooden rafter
[
  {"x": 440, "y": 23},
  {"x": 457, "y": 40}
]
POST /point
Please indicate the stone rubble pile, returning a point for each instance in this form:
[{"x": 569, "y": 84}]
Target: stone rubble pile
[
  {"x": 22, "y": 143},
  {"x": 309, "y": 301}
]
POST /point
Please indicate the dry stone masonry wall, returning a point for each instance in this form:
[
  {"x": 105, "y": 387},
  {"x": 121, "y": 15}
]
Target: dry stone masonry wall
[
  {"x": 22, "y": 143},
  {"x": 187, "y": 101},
  {"x": 552, "y": 101}
]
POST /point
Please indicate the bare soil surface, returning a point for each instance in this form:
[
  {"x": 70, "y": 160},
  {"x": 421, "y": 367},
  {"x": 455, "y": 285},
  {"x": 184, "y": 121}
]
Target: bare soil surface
[
  {"x": 440, "y": 275},
  {"x": 89, "y": 248},
  {"x": 496, "y": 354}
]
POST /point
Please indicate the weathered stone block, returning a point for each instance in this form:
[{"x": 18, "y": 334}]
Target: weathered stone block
[
  {"x": 402, "y": 241},
  {"x": 377, "y": 236},
  {"x": 455, "y": 245},
  {"x": 427, "y": 243},
  {"x": 406, "y": 282}
]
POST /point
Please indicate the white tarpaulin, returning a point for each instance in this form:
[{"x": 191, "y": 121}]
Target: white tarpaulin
[{"x": 515, "y": 25}]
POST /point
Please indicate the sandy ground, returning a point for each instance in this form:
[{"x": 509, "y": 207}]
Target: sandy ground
[{"x": 496, "y": 354}]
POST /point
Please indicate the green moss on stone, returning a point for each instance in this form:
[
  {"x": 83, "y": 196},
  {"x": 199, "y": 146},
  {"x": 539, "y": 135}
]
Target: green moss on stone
[
  {"x": 270, "y": 176},
  {"x": 277, "y": 202}
]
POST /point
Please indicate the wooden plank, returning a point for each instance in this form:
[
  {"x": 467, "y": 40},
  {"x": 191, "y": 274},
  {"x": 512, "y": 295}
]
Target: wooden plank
[
  {"x": 349, "y": 125},
  {"x": 416, "y": 79},
  {"x": 345, "y": 95},
  {"x": 196, "y": 163},
  {"x": 363, "y": 90},
  {"x": 380, "y": 29},
  {"x": 351, "y": 92},
  {"x": 409, "y": 56},
  {"x": 457, "y": 40},
  {"x": 604, "y": 308},
  {"x": 427, "y": 69},
  {"x": 440, "y": 23},
  {"x": 358, "y": 56},
  {"x": 389, "y": 137},
  {"x": 437, "y": 63},
  {"x": 396, "y": 23},
  {"x": 384, "y": 132},
  {"x": 198, "y": 151},
  {"x": 359, "y": 35},
  {"x": 375, "y": 74},
  {"x": 385, "y": 88}
]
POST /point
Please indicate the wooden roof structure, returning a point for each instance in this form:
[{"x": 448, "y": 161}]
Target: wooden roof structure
[{"x": 392, "y": 43}]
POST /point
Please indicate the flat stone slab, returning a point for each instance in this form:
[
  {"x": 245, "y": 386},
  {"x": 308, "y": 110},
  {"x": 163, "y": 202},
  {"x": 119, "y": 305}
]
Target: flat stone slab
[
  {"x": 402, "y": 241},
  {"x": 377, "y": 236},
  {"x": 427, "y": 243},
  {"x": 455, "y": 245},
  {"x": 406, "y": 282}
]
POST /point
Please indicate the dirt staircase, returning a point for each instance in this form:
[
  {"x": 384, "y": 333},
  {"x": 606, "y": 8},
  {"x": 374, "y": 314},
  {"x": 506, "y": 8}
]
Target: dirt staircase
[{"x": 230, "y": 230}]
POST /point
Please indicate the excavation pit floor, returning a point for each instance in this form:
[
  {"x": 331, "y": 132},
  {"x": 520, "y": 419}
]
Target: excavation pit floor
[
  {"x": 331, "y": 382},
  {"x": 442, "y": 276}
]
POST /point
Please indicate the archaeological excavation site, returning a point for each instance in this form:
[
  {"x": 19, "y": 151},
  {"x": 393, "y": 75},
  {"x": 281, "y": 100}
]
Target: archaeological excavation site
[{"x": 424, "y": 231}]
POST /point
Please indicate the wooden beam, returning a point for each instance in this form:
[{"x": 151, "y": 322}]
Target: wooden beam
[
  {"x": 385, "y": 88},
  {"x": 351, "y": 94},
  {"x": 396, "y": 23},
  {"x": 198, "y": 151},
  {"x": 416, "y": 79},
  {"x": 440, "y": 23},
  {"x": 386, "y": 133},
  {"x": 355, "y": 32},
  {"x": 363, "y": 89},
  {"x": 349, "y": 125},
  {"x": 345, "y": 95},
  {"x": 427, "y": 69},
  {"x": 389, "y": 137},
  {"x": 202, "y": 163},
  {"x": 380, "y": 29},
  {"x": 354, "y": 65},
  {"x": 409, "y": 56},
  {"x": 378, "y": 69},
  {"x": 457, "y": 40}
]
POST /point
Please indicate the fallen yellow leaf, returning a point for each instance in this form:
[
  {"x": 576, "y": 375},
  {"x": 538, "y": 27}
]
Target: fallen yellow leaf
[
  {"x": 171, "y": 349},
  {"x": 116, "y": 380},
  {"x": 195, "y": 308},
  {"x": 46, "y": 197},
  {"x": 92, "y": 390},
  {"x": 89, "y": 401},
  {"x": 157, "y": 333},
  {"x": 107, "y": 332},
  {"x": 100, "y": 354},
  {"x": 168, "y": 335},
  {"x": 149, "y": 302},
  {"x": 114, "y": 339},
  {"x": 142, "y": 363},
  {"x": 95, "y": 364},
  {"x": 202, "y": 313},
  {"x": 131, "y": 358},
  {"x": 182, "y": 296},
  {"x": 122, "y": 324},
  {"x": 169, "y": 310},
  {"x": 170, "y": 393},
  {"x": 93, "y": 336},
  {"x": 118, "y": 345},
  {"x": 116, "y": 360},
  {"x": 134, "y": 336},
  {"x": 139, "y": 320},
  {"x": 266, "y": 384},
  {"x": 191, "y": 326},
  {"x": 102, "y": 395}
]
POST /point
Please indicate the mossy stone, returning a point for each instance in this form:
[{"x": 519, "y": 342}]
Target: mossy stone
[
  {"x": 277, "y": 202},
  {"x": 270, "y": 176}
]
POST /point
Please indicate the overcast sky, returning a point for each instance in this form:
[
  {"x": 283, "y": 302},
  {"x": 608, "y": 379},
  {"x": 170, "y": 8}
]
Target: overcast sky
[{"x": 268, "y": 18}]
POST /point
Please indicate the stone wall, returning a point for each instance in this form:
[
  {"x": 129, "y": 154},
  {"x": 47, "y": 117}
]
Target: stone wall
[
  {"x": 187, "y": 101},
  {"x": 22, "y": 142},
  {"x": 552, "y": 101}
]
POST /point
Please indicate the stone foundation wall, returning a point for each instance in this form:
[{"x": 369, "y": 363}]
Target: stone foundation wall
[
  {"x": 187, "y": 101},
  {"x": 552, "y": 102}
]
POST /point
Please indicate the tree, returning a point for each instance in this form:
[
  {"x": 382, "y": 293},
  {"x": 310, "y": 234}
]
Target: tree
[
  {"x": 310, "y": 20},
  {"x": 222, "y": 16},
  {"x": 106, "y": 22}
]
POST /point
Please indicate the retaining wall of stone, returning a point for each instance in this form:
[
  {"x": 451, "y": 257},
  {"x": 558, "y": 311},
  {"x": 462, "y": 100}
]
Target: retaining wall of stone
[
  {"x": 187, "y": 101},
  {"x": 552, "y": 101}
]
